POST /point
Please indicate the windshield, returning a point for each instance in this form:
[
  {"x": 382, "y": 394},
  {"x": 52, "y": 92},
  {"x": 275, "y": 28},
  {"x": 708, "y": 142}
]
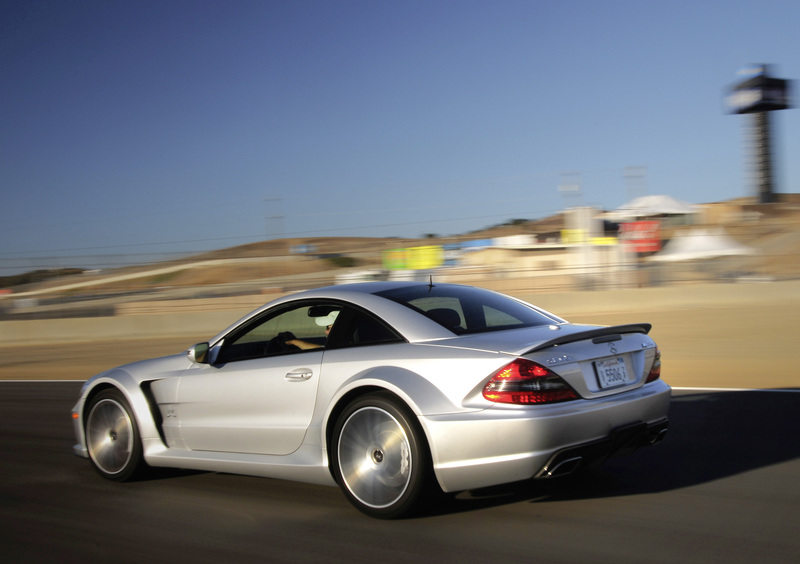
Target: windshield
[{"x": 463, "y": 309}]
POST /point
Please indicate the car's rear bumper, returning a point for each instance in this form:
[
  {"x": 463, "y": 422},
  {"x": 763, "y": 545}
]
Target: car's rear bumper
[
  {"x": 497, "y": 446},
  {"x": 624, "y": 440}
]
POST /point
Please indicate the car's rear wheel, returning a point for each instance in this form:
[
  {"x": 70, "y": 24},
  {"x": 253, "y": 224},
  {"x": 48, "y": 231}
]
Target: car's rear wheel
[
  {"x": 112, "y": 436},
  {"x": 379, "y": 457}
]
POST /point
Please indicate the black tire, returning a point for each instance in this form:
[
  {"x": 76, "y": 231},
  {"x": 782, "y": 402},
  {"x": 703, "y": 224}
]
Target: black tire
[
  {"x": 380, "y": 457},
  {"x": 112, "y": 437}
]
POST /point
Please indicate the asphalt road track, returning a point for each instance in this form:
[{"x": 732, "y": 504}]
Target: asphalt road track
[{"x": 722, "y": 487}]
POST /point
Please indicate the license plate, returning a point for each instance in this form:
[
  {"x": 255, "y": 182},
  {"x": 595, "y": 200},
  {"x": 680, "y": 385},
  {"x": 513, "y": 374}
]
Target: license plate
[{"x": 611, "y": 372}]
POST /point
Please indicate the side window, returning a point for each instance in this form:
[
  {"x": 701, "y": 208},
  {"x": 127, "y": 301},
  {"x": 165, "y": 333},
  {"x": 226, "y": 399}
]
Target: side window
[
  {"x": 289, "y": 329},
  {"x": 358, "y": 328}
]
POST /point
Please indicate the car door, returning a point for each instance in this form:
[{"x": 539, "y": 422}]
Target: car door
[{"x": 258, "y": 394}]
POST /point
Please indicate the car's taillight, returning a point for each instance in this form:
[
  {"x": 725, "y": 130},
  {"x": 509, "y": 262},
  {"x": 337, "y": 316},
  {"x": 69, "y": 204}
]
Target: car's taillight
[
  {"x": 655, "y": 370},
  {"x": 525, "y": 382}
]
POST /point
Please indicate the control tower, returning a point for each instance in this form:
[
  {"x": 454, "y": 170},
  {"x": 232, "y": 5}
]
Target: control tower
[{"x": 757, "y": 95}]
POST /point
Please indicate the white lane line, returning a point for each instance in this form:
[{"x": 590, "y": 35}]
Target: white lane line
[
  {"x": 42, "y": 381},
  {"x": 675, "y": 388},
  {"x": 782, "y": 390}
]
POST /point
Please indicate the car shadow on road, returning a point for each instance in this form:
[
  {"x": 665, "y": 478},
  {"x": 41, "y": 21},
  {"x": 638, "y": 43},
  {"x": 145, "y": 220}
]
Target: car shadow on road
[{"x": 711, "y": 436}]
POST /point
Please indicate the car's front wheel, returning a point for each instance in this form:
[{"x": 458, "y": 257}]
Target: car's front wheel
[
  {"x": 112, "y": 436},
  {"x": 379, "y": 457}
]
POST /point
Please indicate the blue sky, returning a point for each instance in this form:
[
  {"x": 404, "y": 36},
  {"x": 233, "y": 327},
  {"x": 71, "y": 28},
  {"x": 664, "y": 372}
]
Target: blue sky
[{"x": 172, "y": 126}]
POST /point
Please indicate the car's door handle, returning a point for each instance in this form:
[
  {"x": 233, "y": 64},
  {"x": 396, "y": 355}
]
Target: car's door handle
[{"x": 299, "y": 374}]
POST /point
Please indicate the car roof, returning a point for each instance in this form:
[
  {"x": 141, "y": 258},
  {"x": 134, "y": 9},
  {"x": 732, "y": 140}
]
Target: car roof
[
  {"x": 412, "y": 325},
  {"x": 378, "y": 286}
]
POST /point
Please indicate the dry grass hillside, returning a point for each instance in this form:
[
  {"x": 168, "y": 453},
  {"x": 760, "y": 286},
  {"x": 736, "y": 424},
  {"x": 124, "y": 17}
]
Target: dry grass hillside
[{"x": 773, "y": 231}]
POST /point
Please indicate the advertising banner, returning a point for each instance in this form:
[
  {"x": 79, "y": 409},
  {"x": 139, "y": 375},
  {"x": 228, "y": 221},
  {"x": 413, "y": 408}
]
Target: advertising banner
[
  {"x": 640, "y": 236},
  {"x": 414, "y": 258}
]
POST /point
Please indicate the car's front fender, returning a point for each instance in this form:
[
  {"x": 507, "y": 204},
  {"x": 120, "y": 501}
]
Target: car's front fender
[{"x": 130, "y": 387}]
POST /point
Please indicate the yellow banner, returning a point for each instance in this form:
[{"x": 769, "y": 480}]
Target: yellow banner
[
  {"x": 604, "y": 241},
  {"x": 414, "y": 258},
  {"x": 573, "y": 236}
]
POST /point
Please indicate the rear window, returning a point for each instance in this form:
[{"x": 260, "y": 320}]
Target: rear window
[{"x": 463, "y": 309}]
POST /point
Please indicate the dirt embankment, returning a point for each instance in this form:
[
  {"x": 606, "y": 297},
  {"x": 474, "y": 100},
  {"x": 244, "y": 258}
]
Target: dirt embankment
[{"x": 719, "y": 336}]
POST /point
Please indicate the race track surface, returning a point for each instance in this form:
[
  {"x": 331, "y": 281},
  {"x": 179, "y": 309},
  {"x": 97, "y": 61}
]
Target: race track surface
[{"x": 722, "y": 487}]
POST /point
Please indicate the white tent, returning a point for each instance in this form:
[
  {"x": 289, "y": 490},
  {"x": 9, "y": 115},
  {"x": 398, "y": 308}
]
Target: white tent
[
  {"x": 650, "y": 206},
  {"x": 700, "y": 244}
]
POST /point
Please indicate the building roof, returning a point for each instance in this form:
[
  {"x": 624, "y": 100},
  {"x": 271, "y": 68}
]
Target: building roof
[{"x": 650, "y": 206}]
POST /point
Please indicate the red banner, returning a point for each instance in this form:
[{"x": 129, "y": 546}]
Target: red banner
[{"x": 641, "y": 236}]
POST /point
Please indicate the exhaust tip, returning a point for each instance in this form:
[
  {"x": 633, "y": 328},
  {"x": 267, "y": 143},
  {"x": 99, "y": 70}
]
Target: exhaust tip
[
  {"x": 658, "y": 437},
  {"x": 562, "y": 468}
]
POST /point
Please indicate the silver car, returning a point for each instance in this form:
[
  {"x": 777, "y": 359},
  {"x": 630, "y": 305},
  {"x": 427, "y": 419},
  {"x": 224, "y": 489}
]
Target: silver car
[{"x": 388, "y": 390}]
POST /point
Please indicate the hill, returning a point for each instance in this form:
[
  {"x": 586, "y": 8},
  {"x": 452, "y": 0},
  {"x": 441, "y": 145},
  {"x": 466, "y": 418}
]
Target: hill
[{"x": 773, "y": 230}]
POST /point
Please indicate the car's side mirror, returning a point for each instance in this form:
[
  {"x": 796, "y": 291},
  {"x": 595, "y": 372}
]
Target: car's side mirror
[{"x": 198, "y": 353}]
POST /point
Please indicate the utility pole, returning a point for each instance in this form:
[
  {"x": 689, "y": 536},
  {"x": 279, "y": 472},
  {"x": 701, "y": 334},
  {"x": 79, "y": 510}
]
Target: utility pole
[
  {"x": 570, "y": 187},
  {"x": 636, "y": 181},
  {"x": 273, "y": 230},
  {"x": 273, "y": 215}
]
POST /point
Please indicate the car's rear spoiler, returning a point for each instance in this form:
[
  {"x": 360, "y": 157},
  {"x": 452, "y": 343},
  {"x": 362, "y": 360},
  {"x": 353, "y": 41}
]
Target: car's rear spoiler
[{"x": 601, "y": 335}]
